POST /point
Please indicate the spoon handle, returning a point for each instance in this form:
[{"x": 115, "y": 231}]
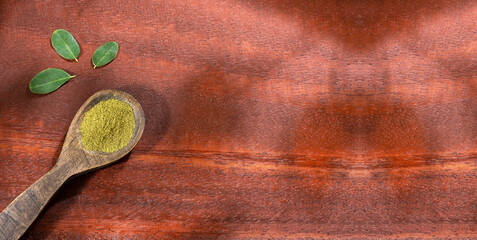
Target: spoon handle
[{"x": 20, "y": 214}]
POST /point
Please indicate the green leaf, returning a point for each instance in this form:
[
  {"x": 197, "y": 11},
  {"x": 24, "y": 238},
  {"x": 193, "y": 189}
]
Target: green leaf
[
  {"x": 65, "y": 44},
  {"x": 105, "y": 54},
  {"x": 49, "y": 80}
]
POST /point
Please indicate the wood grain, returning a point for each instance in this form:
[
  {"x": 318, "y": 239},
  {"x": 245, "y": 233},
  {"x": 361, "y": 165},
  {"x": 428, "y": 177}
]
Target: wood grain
[{"x": 264, "y": 119}]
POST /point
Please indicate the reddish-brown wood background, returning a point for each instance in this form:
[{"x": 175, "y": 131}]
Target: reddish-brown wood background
[{"x": 265, "y": 118}]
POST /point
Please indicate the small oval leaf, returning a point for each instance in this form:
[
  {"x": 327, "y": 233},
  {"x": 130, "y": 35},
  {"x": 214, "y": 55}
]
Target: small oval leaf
[
  {"x": 65, "y": 44},
  {"x": 105, "y": 54},
  {"x": 49, "y": 80}
]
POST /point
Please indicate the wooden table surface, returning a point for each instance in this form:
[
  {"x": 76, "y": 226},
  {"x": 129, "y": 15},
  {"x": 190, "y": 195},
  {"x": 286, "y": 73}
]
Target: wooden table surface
[{"x": 264, "y": 118}]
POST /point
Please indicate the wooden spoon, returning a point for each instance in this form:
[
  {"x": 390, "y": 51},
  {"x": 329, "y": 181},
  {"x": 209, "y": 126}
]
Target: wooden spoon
[{"x": 73, "y": 161}]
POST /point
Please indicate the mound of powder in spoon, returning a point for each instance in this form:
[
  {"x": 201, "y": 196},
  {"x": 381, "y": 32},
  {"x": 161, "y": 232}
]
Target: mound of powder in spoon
[{"x": 108, "y": 126}]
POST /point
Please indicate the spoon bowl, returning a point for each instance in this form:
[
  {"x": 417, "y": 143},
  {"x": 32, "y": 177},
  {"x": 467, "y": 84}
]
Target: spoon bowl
[
  {"x": 74, "y": 160},
  {"x": 73, "y": 150}
]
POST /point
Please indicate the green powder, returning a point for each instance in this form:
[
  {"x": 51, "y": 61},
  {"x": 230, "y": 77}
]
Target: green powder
[{"x": 108, "y": 126}]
